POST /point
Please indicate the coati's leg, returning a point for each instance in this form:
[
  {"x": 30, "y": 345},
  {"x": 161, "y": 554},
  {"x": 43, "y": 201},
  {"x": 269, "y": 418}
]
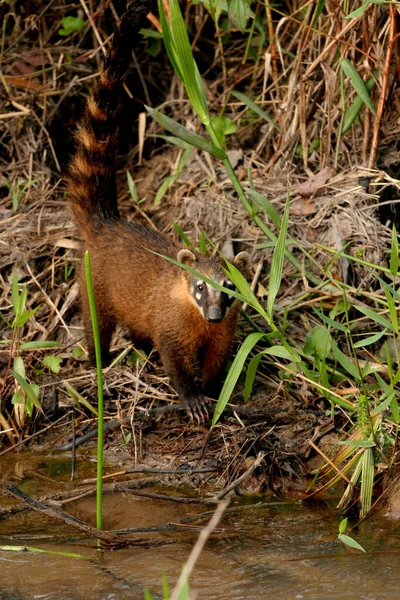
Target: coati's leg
[
  {"x": 185, "y": 374},
  {"x": 213, "y": 360}
]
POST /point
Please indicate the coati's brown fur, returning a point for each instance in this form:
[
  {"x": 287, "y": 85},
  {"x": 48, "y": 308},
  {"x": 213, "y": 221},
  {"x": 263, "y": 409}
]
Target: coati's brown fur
[{"x": 190, "y": 323}]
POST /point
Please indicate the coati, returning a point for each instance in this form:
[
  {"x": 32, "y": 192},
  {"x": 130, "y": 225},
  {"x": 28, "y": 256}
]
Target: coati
[{"x": 189, "y": 322}]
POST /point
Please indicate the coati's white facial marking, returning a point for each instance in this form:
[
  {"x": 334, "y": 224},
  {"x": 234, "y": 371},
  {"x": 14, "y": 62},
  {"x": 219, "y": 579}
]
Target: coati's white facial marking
[
  {"x": 212, "y": 303},
  {"x": 199, "y": 290}
]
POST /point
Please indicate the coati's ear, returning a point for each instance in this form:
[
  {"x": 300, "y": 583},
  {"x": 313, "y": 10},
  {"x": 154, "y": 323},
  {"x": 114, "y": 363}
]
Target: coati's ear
[
  {"x": 243, "y": 262},
  {"x": 186, "y": 257}
]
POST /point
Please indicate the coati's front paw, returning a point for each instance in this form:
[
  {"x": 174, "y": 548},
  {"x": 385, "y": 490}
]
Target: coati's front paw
[{"x": 196, "y": 408}]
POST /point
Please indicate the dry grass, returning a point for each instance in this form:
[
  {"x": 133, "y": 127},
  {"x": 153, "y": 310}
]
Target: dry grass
[{"x": 296, "y": 79}]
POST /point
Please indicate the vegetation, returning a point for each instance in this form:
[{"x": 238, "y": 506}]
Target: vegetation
[{"x": 301, "y": 101}]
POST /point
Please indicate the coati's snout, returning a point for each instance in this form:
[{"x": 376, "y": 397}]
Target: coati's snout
[{"x": 213, "y": 304}]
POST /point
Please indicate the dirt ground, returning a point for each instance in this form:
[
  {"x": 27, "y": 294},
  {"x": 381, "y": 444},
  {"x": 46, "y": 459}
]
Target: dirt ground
[{"x": 44, "y": 79}]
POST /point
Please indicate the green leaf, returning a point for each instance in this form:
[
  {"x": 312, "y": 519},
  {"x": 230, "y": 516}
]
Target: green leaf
[
  {"x": 353, "y": 111},
  {"x": 132, "y": 188},
  {"x": 70, "y": 25},
  {"x": 17, "y": 397},
  {"x": 358, "y": 84},
  {"x": 163, "y": 188},
  {"x": 151, "y": 33},
  {"x": 244, "y": 288},
  {"x": 394, "y": 407},
  {"x": 275, "y": 275},
  {"x": 182, "y": 235},
  {"x": 370, "y": 339},
  {"x": 330, "y": 321},
  {"x": 24, "y": 317},
  {"x": 269, "y": 208},
  {"x": 375, "y": 317},
  {"x": 250, "y": 375},
  {"x": 283, "y": 352},
  {"x": 78, "y": 398},
  {"x": 254, "y": 107},
  {"x": 358, "y": 443},
  {"x": 394, "y": 252},
  {"x": 183, "y": 56},
  {"x": 223, "y": 126},
  {"x": 31, "y": 390},
  {"x": 171, "y": 178},
  {"x": 367, "y": 481},
  {"x": 203, "y": 242},
  {"x": 19, "y": 366},
  {"x": 21, "y": 549},
  {"x": 168, "y": 39},
  {"x": 346, "y": 539},
  {"x": 40, "y": 345},
  {"x": 238, "y": 13},
  {"x": 318, "y": 342},
  {"x": 185, "y": 134},
  {"x": 342, "y": 525},
  {"x": 383, "y": 405},
  {"x": 77, "y": 352},
  {"x": 53, "y": 363},
  {"x": 392, "y": 308},
  {"x": 173, "y": 140},
  {"x": 165, "y": 587},
  {"x": 318, "y": 10},
  {"x": 234, "y": 373},
  {"x": 361, "y": 10},
  {"x": 344, "y": 361},
  {"x": 15, "y": 293}
]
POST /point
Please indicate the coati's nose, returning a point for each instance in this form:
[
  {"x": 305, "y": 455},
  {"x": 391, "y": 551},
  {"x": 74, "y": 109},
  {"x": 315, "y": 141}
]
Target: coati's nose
[{"x": 214, "y": 314}]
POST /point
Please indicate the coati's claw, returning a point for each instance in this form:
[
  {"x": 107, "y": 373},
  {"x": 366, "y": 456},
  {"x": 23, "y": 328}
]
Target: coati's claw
[{"x": 196, "y": 408}]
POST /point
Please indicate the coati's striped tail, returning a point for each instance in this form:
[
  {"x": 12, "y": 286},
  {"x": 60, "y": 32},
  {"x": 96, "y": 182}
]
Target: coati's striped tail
[{"x": 91, "y": 177}]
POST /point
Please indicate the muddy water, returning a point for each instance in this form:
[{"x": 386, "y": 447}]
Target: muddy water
[{"x": 283, "y": 551}]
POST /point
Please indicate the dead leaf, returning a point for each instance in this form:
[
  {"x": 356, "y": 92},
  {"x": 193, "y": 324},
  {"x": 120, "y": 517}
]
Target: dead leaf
[
  {"x": 302, "y": 206},
  {"x": 311, "y": 186}
]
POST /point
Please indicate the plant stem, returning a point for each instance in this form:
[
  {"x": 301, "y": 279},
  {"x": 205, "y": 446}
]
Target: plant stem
[{"x": 100, "y": 438}]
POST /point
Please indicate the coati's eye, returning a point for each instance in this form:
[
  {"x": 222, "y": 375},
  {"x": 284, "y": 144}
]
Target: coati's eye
[
  {"x": 200, "y": 287},
  {"x": 230, "y": 285}
]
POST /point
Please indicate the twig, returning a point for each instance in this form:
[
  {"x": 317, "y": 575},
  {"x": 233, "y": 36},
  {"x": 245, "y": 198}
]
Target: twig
[
  {"x": 243, "y": 477},
  {"x": 197, "y": 549},
  {"x": 30, "y": 437},
  {"x": 385, "y": 79}
]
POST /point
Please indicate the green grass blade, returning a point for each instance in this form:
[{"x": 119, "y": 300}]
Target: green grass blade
[
  {"x": 15, "y": 294},
  {"x": 100, "y": 437},
  {"x": 392, "y": 308},
  {"x": 182, "y": 235},
  {"x": 361, "y": 10},
  {"x": 269, "y": 208},
  {"x": 394, "y": 252},
  {"x": 351, "y": 72},
  {"x": 345, "y": 361},
  {"x": 234, "y": 373},
  {"x": 353, "y": 111},
  {"x": 318, "y": 11},
  {"x": 275, "y": 276},
  {"x": 349, "y": 541},
  {"x": 187, "y": 66},
  {"x": 185, "y": 134},
  {"x": 168, "y": 39},
  {"x": 371, "y": 339},
  {"x": 250, "y": 375},
  {"x": 254, "y": 107},
  {"x": 367, "y": 481},
  {"x": 375, "y": 317},
  {"x": 40, "y": 345},
  {"x": 330, "y": 322}
]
